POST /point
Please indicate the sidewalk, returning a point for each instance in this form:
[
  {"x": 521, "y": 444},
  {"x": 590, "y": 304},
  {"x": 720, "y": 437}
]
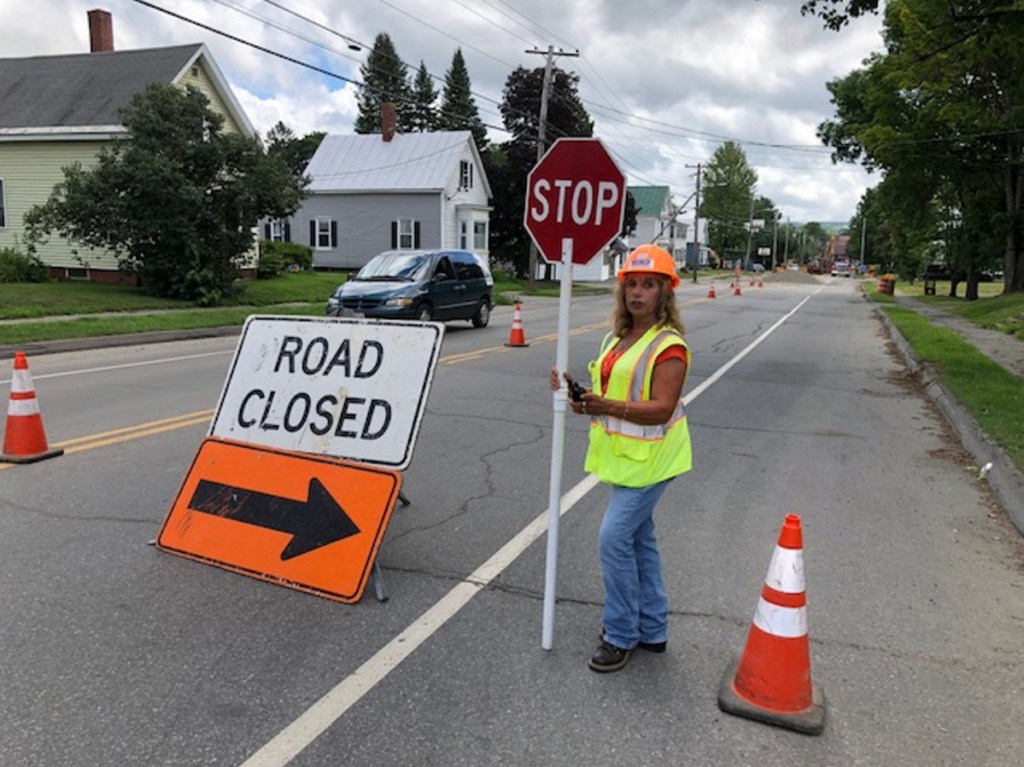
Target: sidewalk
[
  {"x": 1003, "y": 349},
  {"x": 1004, "y": 479}
]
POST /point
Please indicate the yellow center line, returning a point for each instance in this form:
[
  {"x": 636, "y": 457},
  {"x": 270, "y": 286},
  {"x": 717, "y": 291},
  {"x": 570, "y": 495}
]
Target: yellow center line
[
  {"x": 128, "y": 433},
  {"x": 189, "y": 418}
]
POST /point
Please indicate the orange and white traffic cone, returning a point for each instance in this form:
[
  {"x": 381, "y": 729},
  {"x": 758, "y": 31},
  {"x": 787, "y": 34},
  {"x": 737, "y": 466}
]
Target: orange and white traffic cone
[
  {"x": 711, "y": 291},
  {"x": 516, "y": 337},
  {"x": 24, "y": 437},
  {"x": 760, "y": 282},
  {"x": 751, "y": 282},
  {"x": 736, "y": 290},
  {"x": 771, "y": 682}
]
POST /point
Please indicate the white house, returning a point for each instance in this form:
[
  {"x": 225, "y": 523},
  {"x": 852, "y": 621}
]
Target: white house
[{"x": 381, "y": 191}]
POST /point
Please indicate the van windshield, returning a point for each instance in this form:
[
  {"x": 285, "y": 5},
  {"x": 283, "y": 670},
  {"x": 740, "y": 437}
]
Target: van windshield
[{"x": 405, "y": 267}]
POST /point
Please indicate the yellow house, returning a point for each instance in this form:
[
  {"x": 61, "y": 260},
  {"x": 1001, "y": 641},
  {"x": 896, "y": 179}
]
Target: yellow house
[{"x": 56, "y": 110}]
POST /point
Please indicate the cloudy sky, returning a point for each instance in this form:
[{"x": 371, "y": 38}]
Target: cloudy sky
[{"x": 666, "y": 81}]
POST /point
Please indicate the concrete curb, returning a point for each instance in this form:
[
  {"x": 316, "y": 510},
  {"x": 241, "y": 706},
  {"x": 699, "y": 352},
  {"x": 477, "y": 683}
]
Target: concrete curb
[{"x": 1004, "y": 479}]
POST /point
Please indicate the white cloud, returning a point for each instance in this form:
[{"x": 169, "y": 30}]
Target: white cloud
[{"x": 665, "y": 81}]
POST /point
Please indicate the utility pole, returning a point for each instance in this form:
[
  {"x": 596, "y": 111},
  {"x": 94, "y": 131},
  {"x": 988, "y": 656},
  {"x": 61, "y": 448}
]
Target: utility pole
[
  {"x": 775, "y": 236},
  {"x": 750, "y": 233},
  {"x": 542, "y": 126},
  {"x": 786, "y": 256},
  {"x": 863, "y": 234},
  {"x": 696, "y": 227}
]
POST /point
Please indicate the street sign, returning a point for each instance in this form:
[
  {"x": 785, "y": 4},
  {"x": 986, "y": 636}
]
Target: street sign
[
  {"x": 577, "y": 192},
  {"x": 306, "y": 522},
  {"x": 353, "y": 389}
]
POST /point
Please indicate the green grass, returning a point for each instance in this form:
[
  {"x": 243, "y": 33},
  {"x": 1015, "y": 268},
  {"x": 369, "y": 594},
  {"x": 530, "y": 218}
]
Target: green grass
[
  {"x": 993, "y": 396},
  {"x": 137, "y": 312},
  {"x": 89, "y": 327}
]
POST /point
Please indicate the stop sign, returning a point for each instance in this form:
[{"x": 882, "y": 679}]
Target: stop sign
[{"x": 576, "y": 192}]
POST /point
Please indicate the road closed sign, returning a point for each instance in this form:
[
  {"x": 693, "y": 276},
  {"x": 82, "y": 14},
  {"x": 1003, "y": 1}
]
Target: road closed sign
[{"x": 352, "y": 389}]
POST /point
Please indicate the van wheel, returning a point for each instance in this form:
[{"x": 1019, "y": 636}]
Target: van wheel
[
  {"x": 425, "y": 314},
  {"x": 483, "y": 315}
]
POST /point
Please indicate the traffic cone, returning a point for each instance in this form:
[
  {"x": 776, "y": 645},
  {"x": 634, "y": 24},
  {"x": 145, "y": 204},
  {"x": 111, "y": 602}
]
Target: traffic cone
[
  {"x": 760, "y": 282},
  {"x": 751, "y": 282},
  {"x": 771, "y": 682},
  {"x": 516, "y": 336},
  {"x": 711, "y": 291},
  {"x": 24, "y": 438},
  {"x": 736, "y": 290}
]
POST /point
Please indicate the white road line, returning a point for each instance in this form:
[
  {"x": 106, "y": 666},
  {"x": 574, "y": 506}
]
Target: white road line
[
  {"x": 122, "y": 366},
  {"x": 288, "y": 743}
]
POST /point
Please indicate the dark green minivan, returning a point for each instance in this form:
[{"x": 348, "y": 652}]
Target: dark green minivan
[{"x": 418, "y": 284}]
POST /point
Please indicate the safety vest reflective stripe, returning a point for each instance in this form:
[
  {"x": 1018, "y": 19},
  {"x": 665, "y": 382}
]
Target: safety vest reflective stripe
[
  {"x": 786, "y": 622},
  {"x": 614, "y": 425}
]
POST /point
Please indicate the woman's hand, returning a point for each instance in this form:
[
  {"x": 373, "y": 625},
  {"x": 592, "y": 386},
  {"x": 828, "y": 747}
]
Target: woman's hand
[{"x": 582, "y": 407}]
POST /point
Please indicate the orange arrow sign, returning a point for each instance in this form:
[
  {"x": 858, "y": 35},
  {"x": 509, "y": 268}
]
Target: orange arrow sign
[{"x": 308, "y": 522}]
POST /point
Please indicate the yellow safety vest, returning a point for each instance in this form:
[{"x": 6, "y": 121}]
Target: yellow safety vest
[{"x": 630, "y": 454}]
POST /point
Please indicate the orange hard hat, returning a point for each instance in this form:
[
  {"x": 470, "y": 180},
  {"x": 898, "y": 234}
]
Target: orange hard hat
[{"x": 650, "y": 258}]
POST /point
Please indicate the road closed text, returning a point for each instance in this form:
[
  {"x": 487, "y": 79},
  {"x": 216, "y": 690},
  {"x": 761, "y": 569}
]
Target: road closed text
[{"x": 348, "y": 417}]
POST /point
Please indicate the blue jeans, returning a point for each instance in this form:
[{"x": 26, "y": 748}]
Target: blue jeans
[{"x": 635, "y": 601}]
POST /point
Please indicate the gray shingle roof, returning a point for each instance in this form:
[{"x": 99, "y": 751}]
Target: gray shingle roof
[
  {"x": 365, "y": 162},
  {"x": 82, "y": 89}
]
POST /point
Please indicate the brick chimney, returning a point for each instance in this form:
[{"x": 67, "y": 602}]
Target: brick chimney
[
  {"x": 101, "y": 31},
  {"x": 388, "y": 120}
]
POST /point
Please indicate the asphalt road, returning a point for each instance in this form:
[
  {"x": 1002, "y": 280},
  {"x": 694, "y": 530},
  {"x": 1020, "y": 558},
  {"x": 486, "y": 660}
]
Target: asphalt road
[{"x": 117, "y": 653}]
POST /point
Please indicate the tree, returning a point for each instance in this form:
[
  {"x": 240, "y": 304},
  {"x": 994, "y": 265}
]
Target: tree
[
  {"x": 294, "y": 152},
  {"x": 458, "y": 108},
  {"x": 726, "y": 201},
  {"x": 176, "y": 201},
  {"x": 423, "y": 116},
  {"x": 508, "y": 166},
  {"x": 385, "y": 78},
  {"x": 833, "y": 12},
  {"x": 940, "y": 112}
]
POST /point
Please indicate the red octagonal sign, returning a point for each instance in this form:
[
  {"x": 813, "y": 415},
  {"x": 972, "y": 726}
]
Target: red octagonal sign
[{"x": 574, "y": 192}]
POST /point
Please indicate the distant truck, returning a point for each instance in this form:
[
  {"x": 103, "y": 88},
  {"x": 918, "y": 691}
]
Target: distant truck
[{"x": 841, "y": 268}]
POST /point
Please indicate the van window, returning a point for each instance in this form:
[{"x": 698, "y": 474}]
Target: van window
[
  {"x": 444, "y": 266},
  {"x": 467, "y": 267}
]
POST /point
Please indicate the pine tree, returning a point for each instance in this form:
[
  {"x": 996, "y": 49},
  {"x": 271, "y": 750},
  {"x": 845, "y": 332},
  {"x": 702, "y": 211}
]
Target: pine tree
[
  {"x": 423, "y": 116},
  {"x": 458, "y": 109},
  {"x": 385, "y": 78}
]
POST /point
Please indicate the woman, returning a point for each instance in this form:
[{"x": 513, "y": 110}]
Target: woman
[{"x": 639, "y": 441}]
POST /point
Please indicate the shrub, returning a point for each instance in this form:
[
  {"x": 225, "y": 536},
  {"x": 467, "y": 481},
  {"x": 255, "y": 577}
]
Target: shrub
[
  {"x": 15, "y": 266},
  {"x": 290, "y": 254},
  {"x": 269, "y": 266}
]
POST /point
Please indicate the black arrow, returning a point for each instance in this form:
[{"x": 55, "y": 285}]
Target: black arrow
[{"x": 315, "y": 522}]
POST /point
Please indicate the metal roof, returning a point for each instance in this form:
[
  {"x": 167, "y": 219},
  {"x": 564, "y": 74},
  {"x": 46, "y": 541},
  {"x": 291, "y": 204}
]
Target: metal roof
[
  {"x": 366, "y": 163},
  {"x": 650, "y": 200}
]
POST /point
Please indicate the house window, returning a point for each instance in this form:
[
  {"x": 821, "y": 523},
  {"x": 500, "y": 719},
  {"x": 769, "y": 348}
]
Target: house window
[
  {"x": 464, "y": 234},
  {"x": 479, "y": 235},
  {"x": 465, "y": 175},
  {"x": 3, "y": 205},
  {"x": 406, "y": 239},
  {"x": 323, "y": 233}
]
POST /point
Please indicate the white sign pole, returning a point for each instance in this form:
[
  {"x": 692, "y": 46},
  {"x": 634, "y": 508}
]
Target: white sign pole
[{"x": 557, "y": 446}]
